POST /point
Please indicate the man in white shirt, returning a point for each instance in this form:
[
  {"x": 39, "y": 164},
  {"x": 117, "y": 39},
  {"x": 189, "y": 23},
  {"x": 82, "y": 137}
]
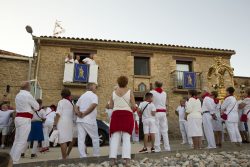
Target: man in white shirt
[
  {"x": 69, "y": 58},
  {"x": 160, "y": 102},
  {"x": 5, "y": 115},
  {"x": 78, "y": 59},
  {"x": 89, "y": 60},
  {"x": 86, "y": 109},
  {"x": 181, "y": 112},
  {"x": 25, "y": 104},
  {"x": 208, "y": 114}
]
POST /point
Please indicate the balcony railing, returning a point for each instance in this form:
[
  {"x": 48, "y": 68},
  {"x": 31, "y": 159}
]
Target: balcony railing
[
  {"x": 186, "y": 80},
  {"x": 80, "y": 73}
]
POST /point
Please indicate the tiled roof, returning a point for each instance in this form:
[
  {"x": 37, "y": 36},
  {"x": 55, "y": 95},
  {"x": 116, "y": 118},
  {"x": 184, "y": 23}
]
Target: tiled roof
[
  {"x": 137, "y": 43},
  {"x": 7, "y": 53}
]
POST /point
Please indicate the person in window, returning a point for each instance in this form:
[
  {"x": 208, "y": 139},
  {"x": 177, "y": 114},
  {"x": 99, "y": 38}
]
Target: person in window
[
  {"x": 194, "y": 119},
  {"x": 89, "y": 60},
  {"x": 69, "y": 59},
  {"x": 122, "y": 122},
  {"x": 78, "y": 59}
]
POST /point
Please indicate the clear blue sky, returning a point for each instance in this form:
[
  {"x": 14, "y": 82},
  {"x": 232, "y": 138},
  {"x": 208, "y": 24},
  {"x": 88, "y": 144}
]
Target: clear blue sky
[{"x": 204, "y": 23}]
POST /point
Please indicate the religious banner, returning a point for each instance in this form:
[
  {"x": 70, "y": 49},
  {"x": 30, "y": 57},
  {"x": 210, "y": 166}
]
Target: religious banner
[
  {"x": 81, "y": 73},
  {"x": 189, "y": 80}
]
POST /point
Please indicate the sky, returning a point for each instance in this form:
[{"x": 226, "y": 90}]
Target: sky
[{"x": 201, "y": 23}]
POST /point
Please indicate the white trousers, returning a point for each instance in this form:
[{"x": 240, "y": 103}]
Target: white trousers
[
  {"x": 233, "y": 131},
  {"x": 92, "y": 131},
  {"x": 184, "y": 132},
  {"x": 115, "y": 142},
  {"x": 208, "y": 130},
  {"x": 162, "y": 130},
  {"x": 23, "y": 126},
  {"x": 47, "y": 127}
]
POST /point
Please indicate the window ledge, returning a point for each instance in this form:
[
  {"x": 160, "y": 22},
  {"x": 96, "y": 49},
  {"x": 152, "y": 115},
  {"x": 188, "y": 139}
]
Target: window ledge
[
  {"x": 142, "y": 76},
  {"x": 74, "y": 84}
]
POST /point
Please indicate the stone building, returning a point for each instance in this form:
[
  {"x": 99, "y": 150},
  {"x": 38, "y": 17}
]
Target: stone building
[{"x": 142, "y": 63}]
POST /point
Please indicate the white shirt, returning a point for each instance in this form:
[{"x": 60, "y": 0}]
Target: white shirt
[
  {"x": 182, "y": 112},
  {"x": 247, "y": 107},
  {"x": 83, "y": 103},
  {"x": 50, "y": 116},
  {"x": 65, "y": 110},
  {"x": 122, "y": 103},
  {"x": 159, "y": 99},
  {"x": 5, "y": 117},
  {"x": 40, "y": 114},
  {"x": 230, "y": 105},
  {"x": 193, "y": 108},
  {"x": 76, "y": 61},
  {"x": 208, "y": 105},
  {"x": 25, "y": 102},
  {"x": 89, "y": 61},
  {"x": 147, "y": 113},
  {"x": 67, "y": 60}
]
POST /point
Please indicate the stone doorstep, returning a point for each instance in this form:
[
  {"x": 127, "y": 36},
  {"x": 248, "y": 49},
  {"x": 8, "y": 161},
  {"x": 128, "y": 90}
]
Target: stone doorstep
[{"x": 138, "y": 156}]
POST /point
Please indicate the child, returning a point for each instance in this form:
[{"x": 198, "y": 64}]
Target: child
[
  {"x": 148, "y": 111},
  {"x": 181, "y": 112},
  {"x": 5, "y": 115},
  {"x": 135, "y": 133}
]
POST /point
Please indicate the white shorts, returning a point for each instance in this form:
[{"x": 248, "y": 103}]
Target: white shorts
[
  {"x": 4, "y": 130},
  {"x": 149, "y": 126}
]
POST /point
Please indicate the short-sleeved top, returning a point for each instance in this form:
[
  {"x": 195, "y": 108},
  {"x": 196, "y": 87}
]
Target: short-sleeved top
[
  {"x": 193, "y": 108},
  {"x": 147, "y": 113},
  {"x": 50, "y": 116},
  {"x": 182, "y": 112},
  {"x": 89, "y": 61},
  {"x": 208, "y": 105},
  {"x": 39, "y": 115},
  {"x": 65, "y": 109},
  {"x": 83, "y": 103},
  {"x": 230, "y": 106},
  {"x": 159, "y": 99},
  {"x": 5, "y": 117}
]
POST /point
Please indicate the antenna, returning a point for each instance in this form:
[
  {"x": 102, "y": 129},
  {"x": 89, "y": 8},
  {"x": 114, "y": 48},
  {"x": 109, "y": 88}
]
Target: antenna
[{"x": 58, "y": 28}]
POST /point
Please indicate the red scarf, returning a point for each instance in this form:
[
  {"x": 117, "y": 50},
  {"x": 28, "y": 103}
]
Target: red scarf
[
  {"x": 121, "y": 120},
  {"x": 159, "y": 90},
  {"x": 69, "y": 99},
  {"x": 216, "y": 101},
  {"x": 206, "y": 95},
  {"x": 136, "y": 128},
  {"x": 195, "y": 97}
]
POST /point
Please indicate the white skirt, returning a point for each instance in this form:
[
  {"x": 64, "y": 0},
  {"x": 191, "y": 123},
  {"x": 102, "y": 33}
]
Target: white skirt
[{"x": 194, "y": 127}]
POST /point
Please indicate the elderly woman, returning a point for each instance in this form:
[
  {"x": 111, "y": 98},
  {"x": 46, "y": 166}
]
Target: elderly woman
[
  {"x": 64, "y": 121},
  {"x": 194, "y": 119},
  {"x": 122, "y": 122}
]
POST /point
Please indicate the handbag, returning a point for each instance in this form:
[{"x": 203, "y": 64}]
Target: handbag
[
  {"x": 243, "y": 117},
  {"x": 224, "y": 115}
]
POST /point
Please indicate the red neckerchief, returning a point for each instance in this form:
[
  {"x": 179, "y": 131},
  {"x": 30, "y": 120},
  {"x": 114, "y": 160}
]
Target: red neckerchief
[
  {"x": 69, "y": 99},
  {"x": 206, "y": 95},
  {"x": 228, "y": 96},
  {"x": 216, "y": 101},
  {"x": 195, "y": 97},
  {"x": 159, "y": 90}
]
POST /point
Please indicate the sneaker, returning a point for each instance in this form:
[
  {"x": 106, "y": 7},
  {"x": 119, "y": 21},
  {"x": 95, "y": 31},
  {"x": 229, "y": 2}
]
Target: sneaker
[
  {"x": 152, "y": 150},
  {"x": 144, "y": 150},
  {"x": 33, "y": 156},
  {"x": 3, "y": 146},
  {"x": 44, "y": 149},
  {"x": 22, "y": 155}
]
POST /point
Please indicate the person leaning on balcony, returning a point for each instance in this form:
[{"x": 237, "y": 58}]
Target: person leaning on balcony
[
  {"x": 69, "y": 58},
  {"x": 194, "y": 118},
  {"x": 89, "y": 60},
  {"x": 122, "y": 102},
  {"x": 78, "y": 59}
]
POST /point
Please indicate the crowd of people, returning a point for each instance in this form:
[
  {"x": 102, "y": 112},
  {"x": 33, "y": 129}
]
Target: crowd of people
[{"x": 201, "y": 116}]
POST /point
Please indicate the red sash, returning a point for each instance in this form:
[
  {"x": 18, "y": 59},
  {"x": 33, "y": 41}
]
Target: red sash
[
  {"x": 121, "y": 120},
  {"x": 24, "y": 115},
  {"x": 161, "y": 110}
]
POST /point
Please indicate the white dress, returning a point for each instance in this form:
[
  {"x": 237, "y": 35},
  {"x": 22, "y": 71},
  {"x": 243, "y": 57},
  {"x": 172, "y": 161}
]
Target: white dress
[{"x": 65, "y": 123}]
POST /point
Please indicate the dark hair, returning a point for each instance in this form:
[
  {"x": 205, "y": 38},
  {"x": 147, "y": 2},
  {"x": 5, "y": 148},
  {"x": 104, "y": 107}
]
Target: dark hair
[
  {"x": 248, "y": 91},
  {"x": 39, "y": 101},
  {"x": 214, "y": 93},
  {"x": 148, "y": 95},
  {"x": 4, "y": 159},
  {"x": 65, "y": 92},
  {"x": 122, "y": 81},
  {"x": 193, "y": 92},
  {"x": 230, "y": 90},
  {"x": 158, "y": 84}
]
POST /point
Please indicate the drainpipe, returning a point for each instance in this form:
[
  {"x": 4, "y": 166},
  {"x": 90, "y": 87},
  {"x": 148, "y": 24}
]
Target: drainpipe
[
  {"x": 30, "y": 65},
  {"x": 37, "y": 47}
]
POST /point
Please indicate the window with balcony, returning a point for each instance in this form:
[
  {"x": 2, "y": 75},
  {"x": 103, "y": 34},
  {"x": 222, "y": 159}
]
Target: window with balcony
[{"x": 141, "y": 66}]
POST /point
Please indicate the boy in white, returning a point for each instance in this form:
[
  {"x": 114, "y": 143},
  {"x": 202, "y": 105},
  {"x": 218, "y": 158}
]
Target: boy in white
[
  {"x": 181, "y": 112},
  {"x": 86, "y": 109},
  {"x": 160, "y": 102},
  {"x": 5, "y": 115},
  {"x": 148, "y": 110}
]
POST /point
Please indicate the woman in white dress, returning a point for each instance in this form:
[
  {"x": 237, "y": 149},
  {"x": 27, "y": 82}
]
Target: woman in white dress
[
  {"x": 194, "y": 119},
  {"x": 64, "y": 121}
]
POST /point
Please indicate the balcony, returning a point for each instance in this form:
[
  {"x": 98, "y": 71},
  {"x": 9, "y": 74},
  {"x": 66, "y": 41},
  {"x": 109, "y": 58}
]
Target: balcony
[
  {"x": 79, "y": 74},
  {"x": 183, "y": 81}
]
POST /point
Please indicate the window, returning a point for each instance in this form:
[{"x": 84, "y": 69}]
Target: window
[
  {"x": 141, "y": 66},
  {"x": 142, "y": 87},
  {"x": 181, "y": 67},
  {"x": 81, "y": 55}
]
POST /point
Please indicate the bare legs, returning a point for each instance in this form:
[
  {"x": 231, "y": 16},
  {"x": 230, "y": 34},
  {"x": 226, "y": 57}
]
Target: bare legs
[
  {"x": 152, "y": 139},
  {"x": 218, "y": 138},
  {"x": 3, "y": 140},
  {"x": 64, "y": 149},
  {"x": 197, "y": 142}
]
